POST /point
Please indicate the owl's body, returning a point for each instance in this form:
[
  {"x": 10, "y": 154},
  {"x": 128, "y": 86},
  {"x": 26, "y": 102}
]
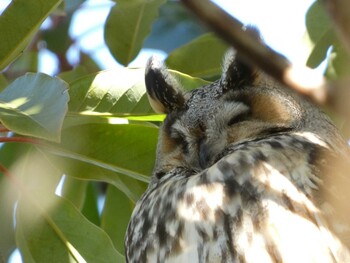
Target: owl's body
[{"x": 239, "y": 175}]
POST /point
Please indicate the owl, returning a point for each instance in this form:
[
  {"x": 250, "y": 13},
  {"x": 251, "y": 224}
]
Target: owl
[{"x": 241, "y": 174}]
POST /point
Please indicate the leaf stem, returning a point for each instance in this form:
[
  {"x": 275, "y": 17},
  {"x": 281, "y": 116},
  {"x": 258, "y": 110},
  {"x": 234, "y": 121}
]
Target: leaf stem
[
  {"x": 17, "y": 184},
  {"x": 21, "y": 139},
  {"x": 3, "y": 129}
]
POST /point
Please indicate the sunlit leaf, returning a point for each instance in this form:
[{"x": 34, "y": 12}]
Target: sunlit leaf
[
  {"x": 188, "y": 82},
  {"x": 9, "y": 194},
  {"x": 191, "y": 60},
  {"x": 120, "y": 92},
  {"x": 128, "y": 24},
  {"x": 49, "y": 228},
  {"x": 10, "y": 153},
  {"x": 35, "y": 105},
  {"x": 117, "y": 154},
  {"x": 158, "y": 117},
  {"x": 60, "y": 234},
  {"x": 18, "y": 24},
  {"x": 74, "y": 74}
]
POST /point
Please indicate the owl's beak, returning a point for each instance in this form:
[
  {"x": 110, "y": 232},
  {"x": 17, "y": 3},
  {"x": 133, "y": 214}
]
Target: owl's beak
[{"x": 204, "y": 155}]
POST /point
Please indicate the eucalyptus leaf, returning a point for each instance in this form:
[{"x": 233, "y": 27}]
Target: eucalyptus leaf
[
  {"x": 188, "y": 82},
  {"x": 9, "y": 155},
  {"x": 208, "y": 65},
  {"x": 35, "y": 105},
  {"x": 319, "y": 32},
  {"x": 3, "y": 82},
  {"x": 174, "y": 27},
  {"x": 8, "y": 199},
  {"x": 116, "y": 215},
  {"x": 118, "y": 93},
  {"x": 18, "y": 24},
  {"x": 338, "y": 63},
  {"x": 317, "y": 21},
  {"x": 91, "y": 205},
  {"x": 74, "y": 190},
  {"x": 320, "y": 49},
  {"x": 116, "y": 154},
  {"x": 60, "y": 234},
  {"x": 127, "y": 26}
]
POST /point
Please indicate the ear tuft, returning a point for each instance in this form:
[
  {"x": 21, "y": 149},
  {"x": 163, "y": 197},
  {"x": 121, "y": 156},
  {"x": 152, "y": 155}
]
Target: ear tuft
[
  {"x": 236, "y": 72},
  {"x": 164, "y": 91}
]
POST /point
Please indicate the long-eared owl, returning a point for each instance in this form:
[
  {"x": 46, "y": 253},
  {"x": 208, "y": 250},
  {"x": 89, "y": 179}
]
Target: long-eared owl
[{"x": 240, "y": 175}]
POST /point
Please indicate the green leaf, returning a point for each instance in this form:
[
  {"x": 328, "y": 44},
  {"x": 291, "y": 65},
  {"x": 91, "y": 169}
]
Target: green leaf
[
  {"x": 116, "y": 154},
  {"x": 74, "y": 74},
  {"x": 317, "y": 22},
  {"x": 90, "y": 208},
  {"x": 320, "y": 34},
  {"x": 60, "y": 233},
  {"x": 28, "y": 62},
  {"x": 208, "y": 65},
  {"x": 127, "y": 25},
  {"x": 119, "y": 93},
  {"x": 57, "y": 38},
  {"x": 155, "y": 118},
  {"x": 18, "y": 24},
  {"x": 3, "y": 82},
  {"x": 8, "y": 199},
  {"x": 174, "y": 27},
  {"x": 9, "y": 154},
  {"x": 74, "y": 190},
  {"x": 35, "y": 105},
  {"x": 338, "y": 63},
  {"x": 116, "y": 215},
  {"x": 320, "y": 49},
  {"x": 188, "y": 82},
  {"x": 49, "y": 228}
]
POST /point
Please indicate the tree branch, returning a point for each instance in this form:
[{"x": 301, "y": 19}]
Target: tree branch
[{"x": 302, "y": 79}]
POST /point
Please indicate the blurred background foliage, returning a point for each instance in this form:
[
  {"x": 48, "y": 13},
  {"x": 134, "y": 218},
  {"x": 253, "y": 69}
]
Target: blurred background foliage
[{"x": 78, "y": 147}]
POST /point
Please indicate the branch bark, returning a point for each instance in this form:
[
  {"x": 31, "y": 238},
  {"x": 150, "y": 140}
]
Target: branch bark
[
  {"x": 302, "y": 79},
  {"x": 339, "y": 11}
]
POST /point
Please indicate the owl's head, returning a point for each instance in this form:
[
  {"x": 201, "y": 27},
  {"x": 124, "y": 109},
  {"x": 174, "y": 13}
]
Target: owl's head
[{"x": 244, "y": 104}]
